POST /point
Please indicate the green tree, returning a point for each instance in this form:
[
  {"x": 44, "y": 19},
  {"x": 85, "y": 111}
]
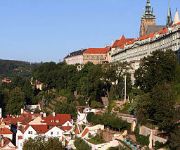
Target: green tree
[
  {"x": 163, "y": 106},
  {"x": 39, "y": 143},
  {"x": 143, "y": 108},
  {"x": 157, "y": 107},
  {"x": 174, "y": 139},
  {"x": 66, "y": 108},
  {"x": 81, "y": 145},
  {"x": 155, "y": 69},
  {"x": 15, "y": 101}
]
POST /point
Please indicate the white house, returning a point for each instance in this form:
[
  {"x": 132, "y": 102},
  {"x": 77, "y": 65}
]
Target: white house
[
  {"x": 55, "y": 132},
  {"x": 5, "y": 132}
]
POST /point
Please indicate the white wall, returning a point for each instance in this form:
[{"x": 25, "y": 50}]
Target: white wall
[{"x": 54, "y": 132}]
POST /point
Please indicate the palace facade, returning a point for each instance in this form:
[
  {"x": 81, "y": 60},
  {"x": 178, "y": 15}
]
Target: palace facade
[{"x": 152, "y": 38}]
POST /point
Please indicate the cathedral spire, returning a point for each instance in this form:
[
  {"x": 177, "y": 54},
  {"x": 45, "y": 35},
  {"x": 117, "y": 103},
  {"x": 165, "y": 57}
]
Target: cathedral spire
[
  {"x": 176, "y": 18},
  {"x": 169, "y": 21},
  {"x": 148, "y": 10}
]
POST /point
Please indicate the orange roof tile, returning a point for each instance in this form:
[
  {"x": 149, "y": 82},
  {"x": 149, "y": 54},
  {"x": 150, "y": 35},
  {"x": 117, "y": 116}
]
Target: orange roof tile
[
  {"x": 97, "y": 50},
  {"x": 121, "y": 42},
  {"x": 85, "y": 132},
  {"x": 66, "y": 128},
  {"x": 163, "y": 31},
  {"x": 57, "y": 120},
  {"x": 5, "y": 131},
  {"x": 40, "y": 128},
  {"x": 151, "y": 35}
]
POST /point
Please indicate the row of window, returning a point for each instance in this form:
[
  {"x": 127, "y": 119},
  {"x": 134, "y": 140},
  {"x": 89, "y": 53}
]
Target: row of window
[{"x": 31, "y": 132}]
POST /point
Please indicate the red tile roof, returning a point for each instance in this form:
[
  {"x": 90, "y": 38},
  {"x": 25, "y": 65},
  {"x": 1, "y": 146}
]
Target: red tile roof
[
  {"x": 163, "y": 31},
  {"x": 66, "y": 128},
  {"x": 40, "y": 128},
  {"x": 24, "y": 118},
  {"x": 57, "y": 120},
  {"x": 76, "y": 130},
  {"x": 121, "y": 42},
  {"x": 6, "y": 142},
  {"x": 5, "y": 131},
  {"x": 144, "y": 37},
  {"x": 85, "y": 132},
  {"x": 97, "y": 50}
]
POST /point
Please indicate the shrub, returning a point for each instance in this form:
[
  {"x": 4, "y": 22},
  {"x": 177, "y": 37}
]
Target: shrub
[
  {"x": 108, "y": 120},
  {"x": 95, "y": 104},
  {"x": 142, "y": 140},
  {"x": 158, "y": 145},
  {"x": 81, "y": 144}
]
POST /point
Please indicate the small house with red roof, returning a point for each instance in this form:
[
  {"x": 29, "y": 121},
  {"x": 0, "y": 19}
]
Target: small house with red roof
[
  {"x": 58, "y": 120},
  {"x": 6, "y": 144},
  {"x": 6, "y": 132}
]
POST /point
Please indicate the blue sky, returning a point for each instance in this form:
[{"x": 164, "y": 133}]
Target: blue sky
[{"x": 47, "y": 30}]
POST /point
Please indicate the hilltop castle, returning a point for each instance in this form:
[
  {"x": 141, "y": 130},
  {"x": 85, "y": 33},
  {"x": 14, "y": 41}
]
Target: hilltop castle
[{"x": 152, "y": 37}]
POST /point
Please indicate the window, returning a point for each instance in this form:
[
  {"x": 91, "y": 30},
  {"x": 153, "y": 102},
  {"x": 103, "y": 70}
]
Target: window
[
  {"x": 51, "y": 133},
  {"x": 57, "y": 133},
  {"x": 30, "y": 132}
]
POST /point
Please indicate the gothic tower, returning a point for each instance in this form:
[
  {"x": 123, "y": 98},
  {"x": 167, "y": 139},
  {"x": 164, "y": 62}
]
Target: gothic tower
[
  {"x": 148, "y": 19},
  {"x": 176, "y": 17},
  {"x": 169, "y": 21}
]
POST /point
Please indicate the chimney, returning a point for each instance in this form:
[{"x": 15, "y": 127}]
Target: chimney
[
  {"x": 44, "y": 115},
  {"x": 54, "y": 114},
  {"x": 41, "y": 113},
  {"x": 0, "y": 112}
]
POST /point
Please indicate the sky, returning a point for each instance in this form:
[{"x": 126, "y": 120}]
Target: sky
[{"x": 47, "y": 30}]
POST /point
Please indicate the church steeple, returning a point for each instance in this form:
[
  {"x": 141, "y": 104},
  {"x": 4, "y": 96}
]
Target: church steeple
[
  {"x": 148, "y": 19},
  {"x": 169, "y": 21},
  {"x": 148, "y": 11},
  {"x": 176, "y": 17}
]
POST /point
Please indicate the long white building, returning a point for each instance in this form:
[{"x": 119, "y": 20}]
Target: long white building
[{"x": 167, "y": 37}]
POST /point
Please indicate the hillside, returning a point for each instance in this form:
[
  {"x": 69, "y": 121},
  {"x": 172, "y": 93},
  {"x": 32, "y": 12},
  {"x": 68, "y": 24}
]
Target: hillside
[{"x": 11, "y": 68}]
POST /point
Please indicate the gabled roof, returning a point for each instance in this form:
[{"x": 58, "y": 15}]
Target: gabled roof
[
  {"x": 6, "y": 143},
  {"x": 57, "y": 120},
  {"x": 40, "y": 129},
  {"x": 97, "y": 50},
  {"x": 66, "y": 128},
  {"x": 121, "y": 42},
  {"x": 5, "y": 131},
  {"x": 23, "y": 118}
]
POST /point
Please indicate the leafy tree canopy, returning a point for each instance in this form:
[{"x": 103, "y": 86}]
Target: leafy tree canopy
[{"x": 155, "y": 69}]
